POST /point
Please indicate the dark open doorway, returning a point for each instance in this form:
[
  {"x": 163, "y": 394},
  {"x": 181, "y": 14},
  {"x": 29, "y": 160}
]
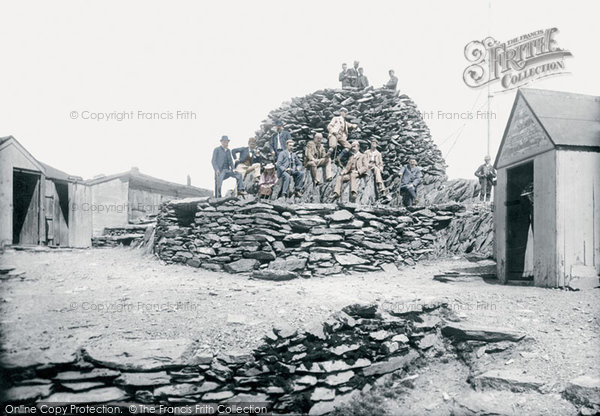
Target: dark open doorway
[
  {"x": 26, "y": 207},
  {"x": 519, "y": 222}
]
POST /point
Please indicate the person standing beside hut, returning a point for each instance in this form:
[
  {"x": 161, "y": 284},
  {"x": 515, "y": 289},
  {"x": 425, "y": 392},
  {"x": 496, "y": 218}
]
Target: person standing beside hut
[{"x": 487, "y": 178}]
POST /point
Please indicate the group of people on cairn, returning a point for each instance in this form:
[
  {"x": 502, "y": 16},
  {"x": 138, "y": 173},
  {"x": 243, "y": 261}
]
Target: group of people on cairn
[
  {"x": 355, "y": 79},
  {"x": 240, "y": 162}
]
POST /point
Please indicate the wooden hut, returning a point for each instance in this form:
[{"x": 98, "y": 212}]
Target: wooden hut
[
  {"x": 547, "y": 198},
  {"x": 37, "y": 200}
]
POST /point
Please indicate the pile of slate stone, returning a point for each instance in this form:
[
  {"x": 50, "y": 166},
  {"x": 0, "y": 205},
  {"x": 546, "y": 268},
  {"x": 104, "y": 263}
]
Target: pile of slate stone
[
  {"x": 392, "y": 119},
  {"x": 312, "y": 370},
  {"x": 281, "y": 241},
  {"x": 471, "y": 231}
]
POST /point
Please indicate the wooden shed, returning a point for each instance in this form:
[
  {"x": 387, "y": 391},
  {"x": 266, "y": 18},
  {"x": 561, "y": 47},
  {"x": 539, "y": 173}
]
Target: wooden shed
[
  {"x": 547, "y": 199},
  {"x": 123, "y": 198},
  {"x": 37, "y": 200}
]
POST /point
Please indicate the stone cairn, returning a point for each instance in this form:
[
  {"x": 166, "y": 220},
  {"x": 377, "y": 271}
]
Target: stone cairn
[
  {"x": 384, "y": 115},
  {"x": 280, "y": 241}
]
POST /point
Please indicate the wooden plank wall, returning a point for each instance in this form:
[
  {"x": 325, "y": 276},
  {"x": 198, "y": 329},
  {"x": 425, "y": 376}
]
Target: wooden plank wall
[
  {"x": 544, "y": 219},
  {"x": 578, "y": 211}
]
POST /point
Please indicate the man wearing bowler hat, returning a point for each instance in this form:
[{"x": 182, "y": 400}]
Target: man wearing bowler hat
[
  {"x": 222, "y": 163},
  {"x": 279, "y": 139}
]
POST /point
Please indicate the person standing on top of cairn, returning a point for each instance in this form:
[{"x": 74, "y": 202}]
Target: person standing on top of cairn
[
  {"x": 316, "y": 156},
  {"x": 393, "y": 82},
  {"x": 363, "y": 82},
  {"x": 222, "y": 163},
  {"x": 411, "y": 178},
  {"x": 279, "y": 139},
  {"x": 266, "y": 182},
  {"x": 356, "y": 167},
  {"x": 248, "y": 161},
  {"x": 487, "y": 179},
  {"x": 353, "y": 75},
  {"x": 288, "y": 167},
  {"x": 338, "y": 133},
  {"x": 375, "y": 163},
  {"x": 344, "y": 77}
]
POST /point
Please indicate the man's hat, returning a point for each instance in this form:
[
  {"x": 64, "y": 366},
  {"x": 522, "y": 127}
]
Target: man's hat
[
  {"x": 290, "y": 141},
  {"x": 279, "y": 123},
  {"x": 252, "y": 139},
  {"x": 374, "y": 140},
  {"x": 356, "y": 62},
  {"x": 344, "y": 110},
  {"x": 224, "y": 138},
  {"x": 355, "y": 143},
  {"x": 487, "y": 157},
  {"x": 269, "y": 166}
]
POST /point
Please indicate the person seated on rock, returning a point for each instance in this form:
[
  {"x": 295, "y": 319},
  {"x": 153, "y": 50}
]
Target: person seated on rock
[
  {"x": 222, "y": 163},
  {"x": 316, "y": 156},
  {"x": 411, "y": 178},
  {"x": 278, "y": 140},
  {"x": 363, "y": 82},
  {"x": 267, "y": 180},
  {"x": 357, "y": 166},
  {"x": 247, "y": 160},
  {"x": 393, "y": 82},
  {"x": 375, "y": 161},
  {"x": 288, "y": 167},
  {"x": 338, "y": 133}
]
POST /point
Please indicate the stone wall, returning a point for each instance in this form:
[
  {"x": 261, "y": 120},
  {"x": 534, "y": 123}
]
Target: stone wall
[
  {"x": 281, "y": 241},
  {"x": 312, "y": 371}
]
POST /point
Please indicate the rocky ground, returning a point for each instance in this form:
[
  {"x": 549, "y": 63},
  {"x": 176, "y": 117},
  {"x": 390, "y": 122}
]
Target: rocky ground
[{"x": 66, "y": 298}]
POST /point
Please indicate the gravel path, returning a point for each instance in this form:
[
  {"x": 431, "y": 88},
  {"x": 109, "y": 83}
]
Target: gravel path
[{"x": 67, "y": 297}]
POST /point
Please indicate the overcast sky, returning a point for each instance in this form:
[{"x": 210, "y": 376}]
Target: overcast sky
[{"x": 231, "y": 62}]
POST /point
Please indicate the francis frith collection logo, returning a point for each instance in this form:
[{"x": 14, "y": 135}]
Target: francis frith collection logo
[{"x": 515, "y": 62}]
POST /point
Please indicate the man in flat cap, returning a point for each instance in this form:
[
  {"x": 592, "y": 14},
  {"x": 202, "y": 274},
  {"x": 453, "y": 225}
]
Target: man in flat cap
[
  {"x": 288, "y": 167},
  {"x": 247, "y": 160},
  {"x": 487, "y": 178},
  {"x": 356, "y": 167},
  {"x": 316, "y": 156},
  {"x": 279, "y": 140},
  {"x": 411, "y": 179},
  {"x": 222, "y": 163},
  {"x": 375, "y": 163},
  {"x": 338, "y": 132}
]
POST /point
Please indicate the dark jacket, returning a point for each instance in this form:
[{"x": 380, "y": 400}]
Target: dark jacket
[
  {"x": 245, "y": 155},
  {"x": 221, "y": 159},
  {"x": 284, "y": 136},
  {"x": 287, "y": 160},
  {"x": 411, "y": 176},
  {"x": 486, "y": 171}
]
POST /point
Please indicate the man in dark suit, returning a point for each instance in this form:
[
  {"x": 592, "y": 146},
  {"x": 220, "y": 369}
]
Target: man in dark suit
[
  {"x": 279, "y": 140},
  {"x": 289, "y": 166},
  {"x": 222, "y": 163},
  {"x": 247, "y": 160},
  {"x": 411, "y": 178}
]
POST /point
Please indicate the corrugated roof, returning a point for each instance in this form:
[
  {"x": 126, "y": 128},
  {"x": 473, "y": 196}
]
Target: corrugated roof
[{"x": 569, "y": 119}]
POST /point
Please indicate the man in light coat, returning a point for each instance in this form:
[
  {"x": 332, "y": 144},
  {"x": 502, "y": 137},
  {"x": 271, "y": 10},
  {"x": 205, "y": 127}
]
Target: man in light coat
[
  {"x": 338, "y": 132},
  {"x": 316, "y": 156},
  {"x": 356, "y": 167},
  {"x": 375, "y": 163}
]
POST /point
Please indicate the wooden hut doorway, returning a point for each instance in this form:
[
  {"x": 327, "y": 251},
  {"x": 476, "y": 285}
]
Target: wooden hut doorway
[
  {"x": 26, "y": 207},
  {"x": 519, "y": 222}
]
